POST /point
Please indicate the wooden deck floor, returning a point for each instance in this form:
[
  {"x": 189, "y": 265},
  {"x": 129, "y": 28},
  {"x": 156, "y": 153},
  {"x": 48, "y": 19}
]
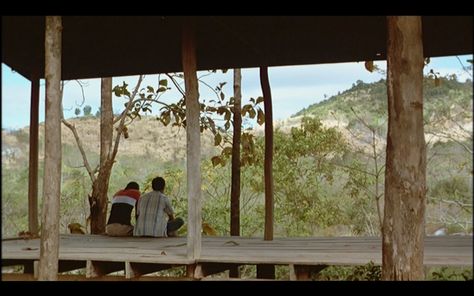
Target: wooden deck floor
[{"x": 316, "y": 251}]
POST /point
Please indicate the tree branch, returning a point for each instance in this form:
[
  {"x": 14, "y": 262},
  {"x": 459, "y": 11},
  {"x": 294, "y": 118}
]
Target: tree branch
[
  {"x": 81, "y": 149},
  {"x": 122, "y": 118}
]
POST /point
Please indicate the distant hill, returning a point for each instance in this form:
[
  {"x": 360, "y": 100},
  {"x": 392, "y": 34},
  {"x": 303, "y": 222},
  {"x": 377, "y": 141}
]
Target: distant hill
[
  {"x": 148, "y": 138},
  {"x": 371, "y": 98}
]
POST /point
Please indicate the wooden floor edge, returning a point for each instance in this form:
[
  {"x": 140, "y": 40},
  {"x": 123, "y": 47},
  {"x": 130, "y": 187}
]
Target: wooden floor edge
[{"x": 12, "y": 277}]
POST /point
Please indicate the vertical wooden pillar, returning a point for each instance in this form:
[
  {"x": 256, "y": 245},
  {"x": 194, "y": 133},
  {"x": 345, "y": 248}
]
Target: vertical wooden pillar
[
  {"x": 267, "y": 271},
  {"x": 235, "y": 183},
  {"x": 49, "y": 246},
  {"x": 268, "y": 166},
  {"x": 193, "y": 142},
  {"x": 33, "y": 162},
  {"x": 405, "y": 179}
]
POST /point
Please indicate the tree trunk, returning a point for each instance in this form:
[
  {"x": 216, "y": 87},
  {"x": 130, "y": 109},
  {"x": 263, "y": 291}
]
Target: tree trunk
[
  {"x": 98, "y": 199},
  {"x": 49, "y": 246},
  {"x": 405, "y": 180},
  {"x": 268, "y": 166},
  {"x": 193, "y": 143},
  {"x": 235, "y": 186},
  {"x": 33, "y": 163}
]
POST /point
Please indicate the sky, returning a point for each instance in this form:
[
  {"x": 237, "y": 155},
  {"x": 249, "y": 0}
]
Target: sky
[{"x": 293, "y": 87}]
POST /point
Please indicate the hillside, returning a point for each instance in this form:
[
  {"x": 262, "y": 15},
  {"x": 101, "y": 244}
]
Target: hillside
[
  {"x": 148, "y": 138},
  {"x": 451, "y": 99}
]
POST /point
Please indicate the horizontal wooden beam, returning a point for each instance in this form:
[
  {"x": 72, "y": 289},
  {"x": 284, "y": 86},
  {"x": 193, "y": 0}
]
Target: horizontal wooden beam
[{"x": 73, "y": 277}]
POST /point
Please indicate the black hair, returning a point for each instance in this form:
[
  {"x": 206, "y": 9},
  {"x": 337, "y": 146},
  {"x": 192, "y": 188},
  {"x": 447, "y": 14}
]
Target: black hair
[
  {"x": 158, "y": 184},
  {"x": 133, "y": 185}
]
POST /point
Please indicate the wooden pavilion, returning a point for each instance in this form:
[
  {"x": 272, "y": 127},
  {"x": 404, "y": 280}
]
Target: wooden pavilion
[{"x": 65, "y": 48}]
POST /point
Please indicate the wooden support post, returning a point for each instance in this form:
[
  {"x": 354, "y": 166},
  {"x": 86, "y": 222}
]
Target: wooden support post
[
  {"x": 136, "y": 269},
  {"x": 235, "y": 183},
  {"x": 33, "y": 162},
  {"x": 49, "y": 245},
  {"x": 266, "y": 271},
  {"x": 101, "y": 268},
  {"x": 268, "y": 166},
  {"x": 36, "y": 269},
  {"x": 190, "y": 269},
  {"x": 405, "y": 173},
  {"x": 193, "y": 142}
]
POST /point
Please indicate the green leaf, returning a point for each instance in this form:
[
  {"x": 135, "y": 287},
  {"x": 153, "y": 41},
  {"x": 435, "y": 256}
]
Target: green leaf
[
  {"x": 252, "y": 113},
  {"x": 259, "y": 100},
  {"x": 227, "y": 125},
  {"x": 117, "y": 91},
  {"x": 227, "y": 151},
  {"x": 161, "y": 89},
  {"x": 150, "y": 89},
  {"x": 166, "y": 118},
  {"x": 227, "y": 115},
  {"x": 222, "y": 96},
  {"x": 217, "y": 139},
  {"x": 246, "y": 109},
  {"x": 221, "y": 110},
  {"x": 260, "y": 117},
  {"x": 216, "y": 160},
  {"x": 369, "y": 65},
  {"x": 163, "y": 82}
]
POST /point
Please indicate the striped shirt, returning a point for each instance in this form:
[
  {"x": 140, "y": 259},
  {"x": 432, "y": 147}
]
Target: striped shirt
[
  {"x": 122, "y": 206},
  {"x": 153, "y": 210}
]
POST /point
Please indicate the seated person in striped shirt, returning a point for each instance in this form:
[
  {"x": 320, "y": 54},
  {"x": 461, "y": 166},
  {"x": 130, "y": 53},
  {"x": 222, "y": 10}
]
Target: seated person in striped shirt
[
  {"x": 120, "y": 215},
  {"x": 155, "y": 213}
]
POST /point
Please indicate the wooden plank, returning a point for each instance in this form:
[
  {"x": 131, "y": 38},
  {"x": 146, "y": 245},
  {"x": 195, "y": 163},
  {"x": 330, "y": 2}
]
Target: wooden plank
[
  {"x": 193, "y": 143},
  {"x": 439, "y": 251},
  {"x": 71, "y": 277}
]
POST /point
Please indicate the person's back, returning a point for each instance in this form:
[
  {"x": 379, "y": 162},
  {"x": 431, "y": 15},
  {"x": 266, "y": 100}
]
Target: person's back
[
  {"x": 154, "y": 208},
  {"x": 123, "y": 202}
]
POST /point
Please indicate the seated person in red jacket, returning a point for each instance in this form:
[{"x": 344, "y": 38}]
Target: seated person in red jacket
[{"x": 120, "y": 215}]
